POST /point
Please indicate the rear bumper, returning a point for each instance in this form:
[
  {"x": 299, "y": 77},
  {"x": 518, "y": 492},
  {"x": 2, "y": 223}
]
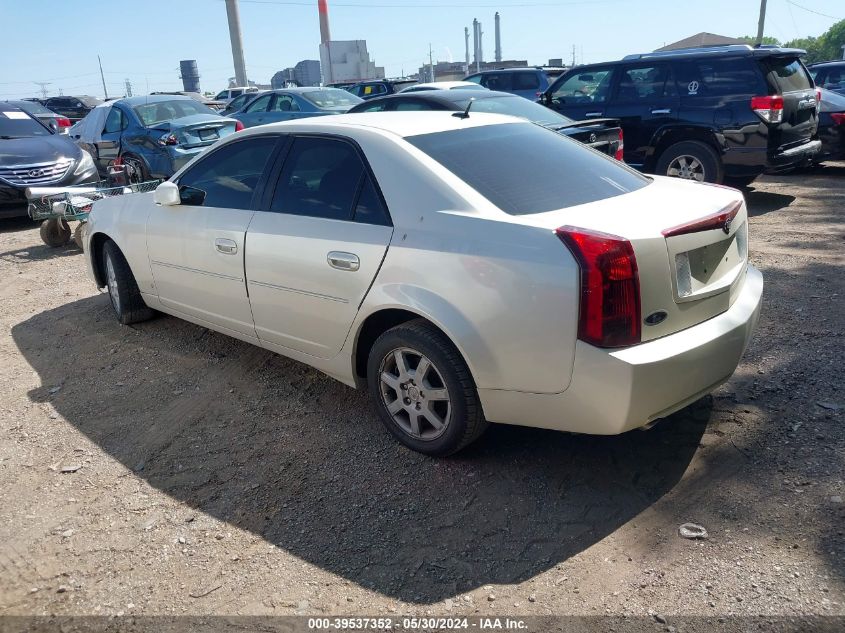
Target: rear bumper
[
  {"x": 795, "y": 156},
  {"x": 613, "y": 392}
]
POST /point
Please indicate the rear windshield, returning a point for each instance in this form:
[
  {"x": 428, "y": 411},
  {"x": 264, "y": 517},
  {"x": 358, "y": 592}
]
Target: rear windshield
[
  {"x": 152, "y": 113},
  {"x": 331, "y": 97},
  {"x": 524, "y": 168},
  {"x": 515, "y": 106},
  {"x": 788, "y": 74},
  {"x": 17, "y": 124}
]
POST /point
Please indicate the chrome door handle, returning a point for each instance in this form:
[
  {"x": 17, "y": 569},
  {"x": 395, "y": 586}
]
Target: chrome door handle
[
  {"x": 592, "y": 115},
  {"x": 663, "y": 111},
  {"x": 343, "y": 261},
  {"x": 226, "y": 246}
]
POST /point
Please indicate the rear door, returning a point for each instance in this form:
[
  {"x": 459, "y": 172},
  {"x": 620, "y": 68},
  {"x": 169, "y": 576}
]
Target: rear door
[
  {"x": 283, "y": 108},
  {"x": 314, "y": 252},
  {"x": 788, "y": 77},
  {"x": 582, "y": 94},
  {"x": 645, "y": 99},
  {"x": 196, "y": 248},
  {"x": 526, "y": 84}
]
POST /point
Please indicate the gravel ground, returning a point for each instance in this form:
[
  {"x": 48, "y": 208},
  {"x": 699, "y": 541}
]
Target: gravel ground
[{"x": 167, "y": 469}]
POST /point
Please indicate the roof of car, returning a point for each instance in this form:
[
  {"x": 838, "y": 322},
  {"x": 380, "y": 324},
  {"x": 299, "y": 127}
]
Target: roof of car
[
  {"x": 510, "y": 70},
  {"x": 401, "y": 124},
  {"x": 303, "y": 89},
  {"x": 452, "y": 95},
  {"x": 145, "y": 99},
  {"x": 742, "y": 50},
  {"x": 830, "y": 62}
]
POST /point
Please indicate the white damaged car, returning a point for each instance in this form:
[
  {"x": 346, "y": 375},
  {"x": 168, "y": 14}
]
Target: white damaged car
[{"x": 464, "y": 269}]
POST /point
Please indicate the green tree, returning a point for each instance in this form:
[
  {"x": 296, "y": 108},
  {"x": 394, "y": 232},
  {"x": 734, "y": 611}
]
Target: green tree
[
  {"x": 752, "y": 39},
  {"x": 825, "y": 47}
]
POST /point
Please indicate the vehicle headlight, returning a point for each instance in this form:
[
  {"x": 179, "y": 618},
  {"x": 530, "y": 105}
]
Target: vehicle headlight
[{"x": 85, "y": 165}]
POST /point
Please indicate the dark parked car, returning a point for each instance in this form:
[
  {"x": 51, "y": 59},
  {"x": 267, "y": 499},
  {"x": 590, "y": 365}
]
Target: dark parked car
[
  {"x": 708, "y": 114},
  {"x": 55, "y": 122},
  {"x": 603, "y": 135},
  {"x": 74, "y": 108},
  {"x": 379, "y": 87},
  {"x": 525, "y": 82},
  {"x": 33, "y": 155},
  {"x": 829, "y": 75},
  {"x": 832, "y": 126},
  {"x": 155, "y": 134},
  {"x": 295, "y": 103}
]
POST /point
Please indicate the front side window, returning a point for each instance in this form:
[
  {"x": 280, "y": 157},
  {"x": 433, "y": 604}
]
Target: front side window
[
  {"x": 584, "y": 87},
  {"x": 114, "y": 122},
  {"x": 331, "y": 98},
  {"x": 496, "y": 81},
  {"x": 228, "y": 177},
  {"x": 524, "y": 168},
  {"x": 326, "y": 178},
  {"x": 476, "y": 79}
]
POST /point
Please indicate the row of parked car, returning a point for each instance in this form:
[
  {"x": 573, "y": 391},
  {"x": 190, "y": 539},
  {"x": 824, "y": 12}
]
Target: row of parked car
[{"x": 722, "y": 114}]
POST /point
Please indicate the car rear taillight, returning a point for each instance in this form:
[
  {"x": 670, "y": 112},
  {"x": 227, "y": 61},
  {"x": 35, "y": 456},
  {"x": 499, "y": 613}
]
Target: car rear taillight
[
  {"x": 62, "y": 122},
  {"x": 769, "y": 108},
  {"x": 818, "y": 97},
  {"x": 609, "y": 314},
  {"x": 238, "y": 126},
  {"x": 168, "y": 139},
  {"x": 838, "y": 118},
  {"x": 620, "y": 146}
]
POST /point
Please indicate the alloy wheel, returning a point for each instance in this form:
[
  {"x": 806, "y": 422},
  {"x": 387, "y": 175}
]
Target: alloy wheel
[
  {"x": 686, "y": 167},
  {"x": 415, "y": 394}
]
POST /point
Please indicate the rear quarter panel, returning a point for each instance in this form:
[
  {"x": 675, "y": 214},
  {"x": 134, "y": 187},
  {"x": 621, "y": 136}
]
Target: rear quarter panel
[{"x": 505, "y": 293}]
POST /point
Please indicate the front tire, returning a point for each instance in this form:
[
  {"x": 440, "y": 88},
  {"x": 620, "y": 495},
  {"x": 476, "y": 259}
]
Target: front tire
[
  {"x": 126, "y": 300},
  {"x": 423, "y": 390},
  {"x": 691, "y": 160}
]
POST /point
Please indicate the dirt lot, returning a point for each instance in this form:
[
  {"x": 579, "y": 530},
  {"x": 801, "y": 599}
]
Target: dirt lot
[{"x": 210, "y": 476}]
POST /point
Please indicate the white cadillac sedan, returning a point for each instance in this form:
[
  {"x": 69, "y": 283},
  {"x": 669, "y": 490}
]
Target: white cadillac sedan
[{"x": 464, "y": 269}]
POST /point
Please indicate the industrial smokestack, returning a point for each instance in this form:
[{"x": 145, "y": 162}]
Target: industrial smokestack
[
  {"x": 466, "y": 43},
  {"x": 323, "y": 9},
  {"x": 498, "y": 40},
  {"x": 475, "y": 59},
  {"x": 190, "y": 75},
  {"x": 480, "y": 44},
  {"x": 237, "y": 43}
]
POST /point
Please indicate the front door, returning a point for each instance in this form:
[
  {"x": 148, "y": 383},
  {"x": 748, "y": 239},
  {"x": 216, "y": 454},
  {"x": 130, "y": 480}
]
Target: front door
[
  {"x": 644, "y": 99},
  {"x": 108, "y": 146},
  {"x": 196, "y": 248},
  {"x": 256, "y": 112},
  {"x": 313, "y": 254},
  {"x": 581, "y": 94}
]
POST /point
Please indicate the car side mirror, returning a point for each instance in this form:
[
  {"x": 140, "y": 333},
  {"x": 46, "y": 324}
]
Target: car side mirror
[{"x": 167, "y": 194}]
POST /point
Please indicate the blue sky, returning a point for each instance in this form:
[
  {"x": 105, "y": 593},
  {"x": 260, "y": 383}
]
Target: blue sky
[{"x": 143, "y": 40}]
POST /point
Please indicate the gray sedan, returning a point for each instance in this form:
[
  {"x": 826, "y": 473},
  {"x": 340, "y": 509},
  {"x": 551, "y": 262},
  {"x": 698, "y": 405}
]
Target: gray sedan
[{"x": 295, "y": 103}]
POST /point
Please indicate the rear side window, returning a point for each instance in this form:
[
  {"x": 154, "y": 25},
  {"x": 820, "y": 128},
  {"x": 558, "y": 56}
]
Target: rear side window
[
  {"x": 787, "y": 74},
  {"x": 718, "y": 77},
  {"x": 497, "y": 81},
  {"x": 523, "y": 168},
  {"x": 525, "y": 81}
]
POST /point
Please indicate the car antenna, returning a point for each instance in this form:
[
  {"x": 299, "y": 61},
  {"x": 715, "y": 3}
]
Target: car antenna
[{"x": 465, "y": 113}]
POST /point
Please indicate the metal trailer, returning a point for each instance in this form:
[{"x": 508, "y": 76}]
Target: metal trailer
[{"x": 55, "y": 207}]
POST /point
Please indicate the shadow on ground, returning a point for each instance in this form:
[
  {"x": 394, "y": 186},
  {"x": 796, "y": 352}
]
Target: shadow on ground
[{"x": 274, "y": 447}]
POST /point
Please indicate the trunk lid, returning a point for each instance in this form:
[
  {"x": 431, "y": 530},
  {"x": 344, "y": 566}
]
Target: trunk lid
[
  {"x": 786, "y": 76},
  {"x": 690, "y": 241},
  {"x": 600, "y": 134},
  {"x": 198, "y": 130}
]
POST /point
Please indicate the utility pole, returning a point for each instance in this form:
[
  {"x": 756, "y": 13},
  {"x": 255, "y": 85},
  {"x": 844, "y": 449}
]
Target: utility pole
[
  {"x": 43, "y": 85},
  {"x": 103, "y": 77},
  {"x": 430, "y": 62},
  {"x": 237, "y": 41},
  {"x": 573, "y": 55},
  {"x": 761, "y": 23},
  {"x": 466, "y": 47}
]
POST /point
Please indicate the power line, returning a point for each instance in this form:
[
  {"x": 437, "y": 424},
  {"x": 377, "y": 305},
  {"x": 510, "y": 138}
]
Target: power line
[{"x": 824, "y": 15}]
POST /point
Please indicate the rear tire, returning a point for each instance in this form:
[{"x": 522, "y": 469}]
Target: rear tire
[
  {"x": 136, "y": 169},
  {"x": 55, "y": 232},
  {"x": 126, "y": 300},
  {"x": 436, "y": 413},
  {"x": 691, "y": 160}
]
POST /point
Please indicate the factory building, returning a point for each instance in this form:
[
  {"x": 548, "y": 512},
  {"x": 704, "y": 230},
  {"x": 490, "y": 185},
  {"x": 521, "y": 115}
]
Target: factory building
[{"x": 343, "y": 60}]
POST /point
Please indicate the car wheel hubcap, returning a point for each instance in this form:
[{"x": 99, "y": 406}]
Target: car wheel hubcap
[
  {"x": 414, "y": 393},
  {"x": 111, "y": 280},
  {"x": 687, "y": 167}
]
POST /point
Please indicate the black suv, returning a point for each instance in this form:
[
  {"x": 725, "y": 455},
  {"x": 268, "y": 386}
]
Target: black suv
[
  {"x": 380, "y": 87},
  {"x": 74, "y": 108},
  {"x": 726, "y": 113}
]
